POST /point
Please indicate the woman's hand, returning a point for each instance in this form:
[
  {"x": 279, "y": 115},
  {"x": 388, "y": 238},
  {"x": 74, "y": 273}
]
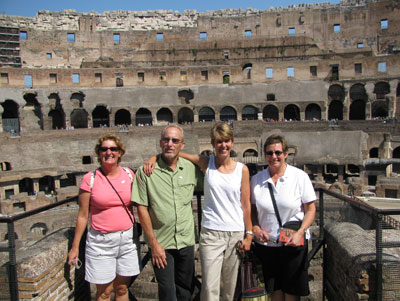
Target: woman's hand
[
  {"x": 73, "y": 256},
  {"x": 260, "y": 234},
  {"x": 148, "y": 166},
  {"x": 295, "y": 239}
]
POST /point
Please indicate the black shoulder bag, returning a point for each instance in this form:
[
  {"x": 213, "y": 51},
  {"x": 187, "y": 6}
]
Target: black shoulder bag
[
  {"x": 136, "y": 231},
  {"x": 289, "y": 227}
]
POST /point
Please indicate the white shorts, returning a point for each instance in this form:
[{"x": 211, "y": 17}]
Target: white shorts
[{"x": 109, "y": 254}]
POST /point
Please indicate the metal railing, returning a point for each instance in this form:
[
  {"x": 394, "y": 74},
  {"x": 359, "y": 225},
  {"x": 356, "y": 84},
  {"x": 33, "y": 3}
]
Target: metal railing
[{"x": 383, "y": 219}]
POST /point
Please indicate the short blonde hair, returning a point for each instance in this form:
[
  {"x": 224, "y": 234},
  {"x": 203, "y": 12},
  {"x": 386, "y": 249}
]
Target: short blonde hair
[
  {"x": 114, "y": 138},
  {"x": 221, "y": 130}
]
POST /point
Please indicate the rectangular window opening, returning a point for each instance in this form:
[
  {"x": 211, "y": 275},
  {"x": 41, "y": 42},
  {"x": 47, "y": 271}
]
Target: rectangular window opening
[
  {"x": 119, "y": 79},
  {"x": 140, "y": 76},
  {"x": 358, "y": 68},
  {"x": 116, "y": 38},
  {"x": 226, "y": 54},
  {"x": 204, "y": 75},
  {"x": 76, "y": 78},
  {"x": 384, "y": 24},
  {"x": 290, "y": 71},
  {"x": 336, "y": 28},
  {"x": 335, "y": 72},
  {"x": 163, "y": 76},
  {"x": 4, "y": 78},
  {"x": 28, "y": 81},
  {"x": 49, "y": 55},
  {"x": 183, "y": 75},
  {"x": 53, "y": 78},
  {"x": 70, "y": 37},
  {"x": 381, "y": 66},
  {"x": 160, "y": 36},
  {"x": 23, "y": 35},
  {"x": 292, "y": 31},
  {"x": 203, "y": 36},
  {"x": 360, "y": 45},
  {"x": 248, "y": 33},
  {"x": 313, "y": 70},
  {"x": 269, "y": 73},
  {"x": 98, "y": 78}
]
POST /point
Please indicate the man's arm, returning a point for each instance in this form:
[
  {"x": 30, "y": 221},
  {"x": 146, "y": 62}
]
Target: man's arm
[{"x": 157, "y": 251}]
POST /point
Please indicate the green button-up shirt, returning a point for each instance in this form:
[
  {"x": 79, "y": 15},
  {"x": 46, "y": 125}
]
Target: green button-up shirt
[{"x": 168, "y": 195}]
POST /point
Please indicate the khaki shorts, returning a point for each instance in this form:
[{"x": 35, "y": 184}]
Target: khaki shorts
[{"x": 109, "y": 254}]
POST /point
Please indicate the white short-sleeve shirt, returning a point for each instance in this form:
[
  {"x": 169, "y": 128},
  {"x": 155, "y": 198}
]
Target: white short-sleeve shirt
[{"x": 292, "y": 190}]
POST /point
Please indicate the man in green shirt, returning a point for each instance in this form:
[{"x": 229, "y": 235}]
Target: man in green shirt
[{"x": 164, "y": 202}]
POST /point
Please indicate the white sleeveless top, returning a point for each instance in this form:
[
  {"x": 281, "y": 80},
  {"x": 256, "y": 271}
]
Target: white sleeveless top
[{"x": 222, "y": 192}]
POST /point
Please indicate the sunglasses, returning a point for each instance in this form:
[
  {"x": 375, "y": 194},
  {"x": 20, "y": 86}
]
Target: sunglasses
[
  {"x": 113, "y": 149},
  {"x": 174, "y": 140},
  {"x": 278, "y": 153}
]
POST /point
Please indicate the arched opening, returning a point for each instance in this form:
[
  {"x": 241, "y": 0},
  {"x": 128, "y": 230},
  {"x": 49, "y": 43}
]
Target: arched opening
[
  {"x": 228, "y": 113},
  {"x": 226, "y": 78},
  {"x": 250, "y": 153},
  {"x": 381, "y": 89},
  {"x": 313, "y": 112},
  {"x": 79, "y": 118},
  {"x": 396, "y": 154},
  {"x": 185, "y": 96},
  {"x": 246, "y": 71},
  {"x": 40, "y": 228},
  {"x": 207, "y": 153},
  {"x": 270, "y": 113},
  {"x": 374, "y": 152},
  {"x": 57, "y": 119},
  {"x": 77, "y": 99},
  {"x": 101, "y": 117},
  {"x": 57, "y": 114},
  {"x": 5, "y": 166},
  {"x": 335, "y": 110},
  {"x": 10, "y": 118},
  {"x": 291, "y": 113},
  {"x": 34, "y": 111},
  {"x": 165, "y": 115},
  {"x": 357, "y": 110},
  {"x": 206, "y": 114},
  {"x": 47, "y": 185},
  {"x": 26, "y": 185},
  {"x": 336, "y": 92},
  {"x": 185, "y": 116},
  {"x": 123, "y": 117},
  {"x": 143, "y": 117},
  {"x": 249, "y": 113},
  {"x": 380, "y": 109}
]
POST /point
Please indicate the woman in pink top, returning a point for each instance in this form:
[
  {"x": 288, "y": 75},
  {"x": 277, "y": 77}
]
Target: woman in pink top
[{"x": 111, "y": 256}]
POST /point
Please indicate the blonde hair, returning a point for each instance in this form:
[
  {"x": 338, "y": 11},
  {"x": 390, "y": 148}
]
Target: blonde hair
[
  {"x": 221, "y": 131},
  {"x": 114, "y": 138}
]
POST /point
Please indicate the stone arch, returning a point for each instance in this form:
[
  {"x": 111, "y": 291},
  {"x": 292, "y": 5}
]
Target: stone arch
[
  {"x": 228, "y": 113},
  {"x": 374, "y": 152},
  {"x": 101, "y": 117},
  {"x": 47, "y": 184},
  {"x": 249, "y": 113},
  {"x": 77, "y": 99},
  {"x": 185, "y": 95},
  {"x": 270, "y": 113},
  {"x": 335, "y": 110},
  {"x": 379, "y": 109},
  {"x": 357, "y": 110},
  {"x": 56, "y": 113},
  {"x": 246, "y": 71},
  {"x": 165, "y": 114},
  {"x": 336, "y": 92},
  {"x": 292, "y": 112},
  {"x": 185, "y": 115},
  {"x": 381, "y": 89},
  {"x": 33, "y": 112},
  {"x": 396, "y": 155},
  {"x": 10, "y": 117},
  {"x": 79, "y": 118},
  {"x": 313, "y": 112},
  {"x": 207, "y": 153},
  {"x": 250, "y": 153},
  {"x": 123, "y": 117},
  {"x": 26, "y": 185},
  {"x": 206, "y": 114},
  {"x": 143, "y": 117},
  {"x": 41, "y": 227}
]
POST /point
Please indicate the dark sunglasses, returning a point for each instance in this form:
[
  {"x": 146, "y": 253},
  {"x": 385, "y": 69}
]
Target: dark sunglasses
[
  {"x": 270, "y": 153},
  {"x": 174, "y": 140},
  {"x": 113, "y": 149}
]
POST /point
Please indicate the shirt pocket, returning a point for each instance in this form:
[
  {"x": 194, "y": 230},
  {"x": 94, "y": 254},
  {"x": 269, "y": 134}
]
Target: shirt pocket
[{"x": 185, "y": 189}]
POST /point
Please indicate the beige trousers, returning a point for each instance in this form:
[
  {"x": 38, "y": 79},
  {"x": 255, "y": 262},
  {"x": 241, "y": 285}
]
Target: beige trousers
[{"x": 219, "y": 264}]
